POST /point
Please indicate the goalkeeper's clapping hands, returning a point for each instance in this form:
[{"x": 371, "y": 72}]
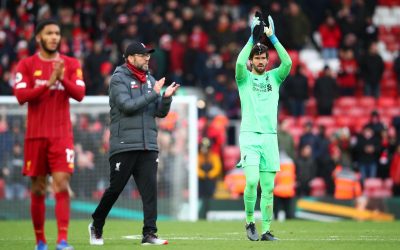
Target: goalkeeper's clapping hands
[
  {"x": 270, "y": 31},
  {"x": 254, "y": 22}
]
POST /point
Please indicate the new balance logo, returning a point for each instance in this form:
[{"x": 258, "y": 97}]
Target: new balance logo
[{"x": 117, "y": 166}]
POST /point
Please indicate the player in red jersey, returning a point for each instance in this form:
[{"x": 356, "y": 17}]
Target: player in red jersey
[{"x": 46, "y": 81}]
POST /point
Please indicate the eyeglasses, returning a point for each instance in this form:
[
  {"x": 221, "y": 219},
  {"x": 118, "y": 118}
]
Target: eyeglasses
[{"x": 143, "y": 55}]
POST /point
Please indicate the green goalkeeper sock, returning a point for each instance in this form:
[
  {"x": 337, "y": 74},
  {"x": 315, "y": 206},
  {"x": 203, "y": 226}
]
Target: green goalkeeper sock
[
  {"x": 267, "y": 199},
  {"x": 250, "y": 191}
]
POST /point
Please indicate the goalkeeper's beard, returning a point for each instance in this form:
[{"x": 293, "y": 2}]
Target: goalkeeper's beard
[{"x": 260, "y": 69}]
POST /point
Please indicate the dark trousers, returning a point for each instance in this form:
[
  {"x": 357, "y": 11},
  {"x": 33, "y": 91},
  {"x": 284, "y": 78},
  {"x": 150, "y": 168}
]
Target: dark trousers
[
  {"x": 142, "y": 165},
  {"x": 284, "y": 204}
]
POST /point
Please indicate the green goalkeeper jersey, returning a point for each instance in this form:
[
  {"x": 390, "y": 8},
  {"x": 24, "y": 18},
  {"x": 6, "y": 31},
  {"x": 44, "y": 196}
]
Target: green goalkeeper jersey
[{"x": 259, "y": 94}]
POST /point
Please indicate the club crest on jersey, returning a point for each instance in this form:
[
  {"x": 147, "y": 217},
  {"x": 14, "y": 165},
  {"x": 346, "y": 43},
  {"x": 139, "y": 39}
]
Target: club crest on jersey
[
  {"x": 18, "y": 77},
  {"x": 134, "y": 85},
  {"x": 37, "y": 72},
  {"x": 79, "y": 73}
]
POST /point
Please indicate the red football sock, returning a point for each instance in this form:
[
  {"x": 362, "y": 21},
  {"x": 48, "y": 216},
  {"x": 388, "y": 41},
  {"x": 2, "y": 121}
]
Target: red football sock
[
  {"x": 62, "y": 214},
  {"x": 38, "y": 210}
]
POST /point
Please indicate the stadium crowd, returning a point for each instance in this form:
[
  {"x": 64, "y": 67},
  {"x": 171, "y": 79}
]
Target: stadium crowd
[{"x": 197, "y": 43}]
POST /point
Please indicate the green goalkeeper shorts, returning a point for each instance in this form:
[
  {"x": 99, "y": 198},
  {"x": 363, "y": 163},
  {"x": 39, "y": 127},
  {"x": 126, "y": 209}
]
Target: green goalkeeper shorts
[{"x": 259, "y": 150}]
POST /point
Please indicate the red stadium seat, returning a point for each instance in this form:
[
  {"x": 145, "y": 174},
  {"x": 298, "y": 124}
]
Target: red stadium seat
[
  {"x": 373, "y": 187},
  {"x": 327, "y": 121},
  {"x": 367, "y": 102},
  {"x": 311, "y": 107},
  {"x": 344, "y": 121},
  {"x": 389, "y": 83},
  {"x": 345, "y": 102},
  {"x": 296, "y": 132},
  {"x": 231, "y": 156},
  {"x": 357, "y": 112},
  {"x": 386, "y": 102},
  {"x": 2, "y": 189},
  {"x": 391, "y": 112},
  {"x": 302, "y": 120},
  {"x": 387, "y": 185}
]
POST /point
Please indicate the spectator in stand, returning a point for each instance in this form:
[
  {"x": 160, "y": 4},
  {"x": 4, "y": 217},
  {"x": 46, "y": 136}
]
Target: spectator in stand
[
  {"x": 5, "y": 87},
  {"x": 308, "y": 138},
  {"x": 280, "y": 21},
  {"x": 177, "y": 56},
  {"x": 325, "y": 91},
  {"x": 396, "y": 69},
  {"x": 285, "y": 139},
  {"x": 347, "y": 76},
  {"x": 347, "y": 21},
  {"x": 297, "y": 91},
  {"x": 370, "y": 33},
  {"x": 388, "y": 147},
  {"x": 376, "y": 124},
  {"x": 85, "y": 168},
  {"x": 322, "y": 141},
  {"x": 326, "y": 165},
  {"x": 299, "y": 27},
  {"x": 367, "y": 150},
  {"x": 330, "y": 38},
  {"x": 92, "y": 65},
  {"x": 306, "y": 170},
  {"x": 371, "y": 71},
  {"x": 395, "y": 171},
  {"x": 342, "y": 139},
  {"x": 209, "y": 169},
  {"x": 350, "y": 41},
  {"x": 15, "y": 183}
]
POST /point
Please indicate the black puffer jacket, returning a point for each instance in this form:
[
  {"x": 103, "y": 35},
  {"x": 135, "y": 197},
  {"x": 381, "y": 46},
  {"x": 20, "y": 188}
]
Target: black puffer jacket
[{"x": 134, "y": 107}]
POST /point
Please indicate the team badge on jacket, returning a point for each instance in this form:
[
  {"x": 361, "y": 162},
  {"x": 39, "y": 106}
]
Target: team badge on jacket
[{"x": 134, "y": 85}]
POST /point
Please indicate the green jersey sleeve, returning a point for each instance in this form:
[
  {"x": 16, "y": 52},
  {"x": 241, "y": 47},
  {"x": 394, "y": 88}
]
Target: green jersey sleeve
[
  {"x": 283, "y": 70},
  {"x": 241, "y": 72}
]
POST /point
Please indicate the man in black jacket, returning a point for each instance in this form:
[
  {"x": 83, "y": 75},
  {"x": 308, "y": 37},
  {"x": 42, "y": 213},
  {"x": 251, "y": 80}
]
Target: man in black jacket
[
  {"x": 325, "y": 92},
  {"x": 135, "y": 101},
  {"x": 372, "y": 68}
]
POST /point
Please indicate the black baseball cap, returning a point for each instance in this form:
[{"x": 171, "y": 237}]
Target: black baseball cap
[{"x": 137, "y": 48}]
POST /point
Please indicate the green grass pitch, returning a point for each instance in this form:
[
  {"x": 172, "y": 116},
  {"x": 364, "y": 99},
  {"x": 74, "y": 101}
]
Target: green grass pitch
[{"x": 297, "y": 234}]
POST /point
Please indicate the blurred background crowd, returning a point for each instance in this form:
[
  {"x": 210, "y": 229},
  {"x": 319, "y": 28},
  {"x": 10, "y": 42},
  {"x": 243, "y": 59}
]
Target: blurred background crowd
[{"x": 339, "y": 109}]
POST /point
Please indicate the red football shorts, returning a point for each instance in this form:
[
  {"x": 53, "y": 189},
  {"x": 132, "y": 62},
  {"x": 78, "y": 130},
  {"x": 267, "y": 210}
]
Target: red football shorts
[{"x": 48, "y": 155}]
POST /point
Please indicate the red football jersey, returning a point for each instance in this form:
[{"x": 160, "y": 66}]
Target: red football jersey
[{"x": 48, "y": 107}]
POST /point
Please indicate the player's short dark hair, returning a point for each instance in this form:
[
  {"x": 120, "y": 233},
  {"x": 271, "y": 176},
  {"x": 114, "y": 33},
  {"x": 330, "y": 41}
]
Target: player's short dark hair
[
  {"x": 258, "y": 49},
  {"x": 40, "y": 26}
]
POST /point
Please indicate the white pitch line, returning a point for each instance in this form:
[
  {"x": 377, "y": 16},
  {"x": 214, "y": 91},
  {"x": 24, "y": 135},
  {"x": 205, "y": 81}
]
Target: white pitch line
[{"x": 331, "y": 238}]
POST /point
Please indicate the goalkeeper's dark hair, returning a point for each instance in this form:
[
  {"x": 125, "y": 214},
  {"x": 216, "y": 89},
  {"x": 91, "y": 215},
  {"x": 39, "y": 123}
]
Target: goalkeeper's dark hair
[
  {"x": 258, "y": 49},
  {"x": 40, "y": 26}
]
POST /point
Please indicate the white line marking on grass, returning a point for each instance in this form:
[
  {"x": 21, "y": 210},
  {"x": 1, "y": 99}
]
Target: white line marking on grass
[
  {"x": 139, "y": 237},
  {"x": 330, "y": 238}
]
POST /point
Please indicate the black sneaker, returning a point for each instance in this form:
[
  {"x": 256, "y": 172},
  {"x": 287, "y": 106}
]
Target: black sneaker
[
  {"x": 152, "y": 239},
  {"x": 95, "y": 235},
  {"x": 268, "y": 236},
  {"x": 251, "y": 231}
]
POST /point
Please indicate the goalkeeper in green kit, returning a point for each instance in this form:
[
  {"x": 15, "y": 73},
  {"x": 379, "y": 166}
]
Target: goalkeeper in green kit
[{"x": 259, "y": 95}]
